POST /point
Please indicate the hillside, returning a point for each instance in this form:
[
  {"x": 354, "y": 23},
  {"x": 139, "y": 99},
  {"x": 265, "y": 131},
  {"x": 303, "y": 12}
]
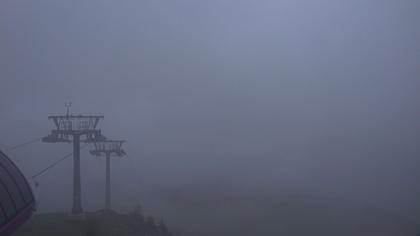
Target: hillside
[{"x": 102, "y": 223}]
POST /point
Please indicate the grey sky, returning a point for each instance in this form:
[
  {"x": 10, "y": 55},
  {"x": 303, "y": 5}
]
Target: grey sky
[{"x": 316, "y": 97}]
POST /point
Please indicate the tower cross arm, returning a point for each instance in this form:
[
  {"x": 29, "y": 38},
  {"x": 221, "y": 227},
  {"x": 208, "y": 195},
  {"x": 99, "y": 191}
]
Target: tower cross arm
[{"x": 108, "y": 147}]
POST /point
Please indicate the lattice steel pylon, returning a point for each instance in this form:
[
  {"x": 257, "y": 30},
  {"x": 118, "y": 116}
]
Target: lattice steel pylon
[
  {"x": 70, "y": 128},
  {"x": 108, "y": 147}
]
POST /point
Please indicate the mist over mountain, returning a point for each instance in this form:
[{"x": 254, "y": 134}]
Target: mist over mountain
[{"x": 241, "y": 117}]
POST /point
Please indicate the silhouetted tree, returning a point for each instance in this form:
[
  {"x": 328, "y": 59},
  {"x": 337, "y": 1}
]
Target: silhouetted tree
[
  {"x": 136, "y": 221},
  {"x": 145, "y": 227},
  {"x": 137, "y": 210},
  {"x": 163, "y": 230},
  {"x": 151, "y": 227}
]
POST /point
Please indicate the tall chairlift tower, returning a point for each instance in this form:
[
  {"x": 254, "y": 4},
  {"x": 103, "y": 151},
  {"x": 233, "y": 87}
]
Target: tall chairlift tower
[
  {"x": 75, "y": 129},
  {"x": 108, "y": 148}
]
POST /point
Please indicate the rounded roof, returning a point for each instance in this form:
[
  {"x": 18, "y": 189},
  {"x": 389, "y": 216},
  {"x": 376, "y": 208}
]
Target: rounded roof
[{"x": 16, "y": 197}]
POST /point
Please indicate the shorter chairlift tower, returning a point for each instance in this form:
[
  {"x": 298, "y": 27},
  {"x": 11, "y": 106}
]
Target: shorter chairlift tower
[
  {"x": 70, "y": 129},
  {"x": 108, "y": 148}
]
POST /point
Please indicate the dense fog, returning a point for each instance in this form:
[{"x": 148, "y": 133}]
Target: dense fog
[{"x": 242, "y": 117}]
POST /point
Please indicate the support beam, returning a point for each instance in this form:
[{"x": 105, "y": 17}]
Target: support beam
[
  {"x": 77, "y": 187},
  {"x": 71, "y": 129},
  {"x": 108, "y": 148},
  {"x": 108, "y": 181}
]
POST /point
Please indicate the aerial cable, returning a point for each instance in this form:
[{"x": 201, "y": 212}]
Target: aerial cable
[
  {"x": 23, "y": 144},
  {"x": 54, "y": 164}
]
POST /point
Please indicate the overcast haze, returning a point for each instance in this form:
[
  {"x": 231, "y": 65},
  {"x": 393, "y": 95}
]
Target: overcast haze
[{"x": 239, "y": 98}]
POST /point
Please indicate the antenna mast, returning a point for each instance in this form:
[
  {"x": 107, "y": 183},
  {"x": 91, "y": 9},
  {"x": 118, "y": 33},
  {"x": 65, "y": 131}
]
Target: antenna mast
[{"x": 68, "y": 105}]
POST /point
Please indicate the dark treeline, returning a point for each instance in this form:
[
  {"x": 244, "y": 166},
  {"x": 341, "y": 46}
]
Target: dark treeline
[
  {"x": 101, "y": 223},
  {"x": 133, "y": 223}
]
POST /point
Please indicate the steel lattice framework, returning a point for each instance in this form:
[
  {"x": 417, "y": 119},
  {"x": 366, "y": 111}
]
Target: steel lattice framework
[
  {"x": 70, "y": 128},
  {"x": 108, "y": 148}
]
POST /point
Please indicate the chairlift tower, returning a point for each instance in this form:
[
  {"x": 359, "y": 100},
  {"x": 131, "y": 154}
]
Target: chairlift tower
[
  {"x": 75, "y": 129},
  {"x": 108, "y": 148}
]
